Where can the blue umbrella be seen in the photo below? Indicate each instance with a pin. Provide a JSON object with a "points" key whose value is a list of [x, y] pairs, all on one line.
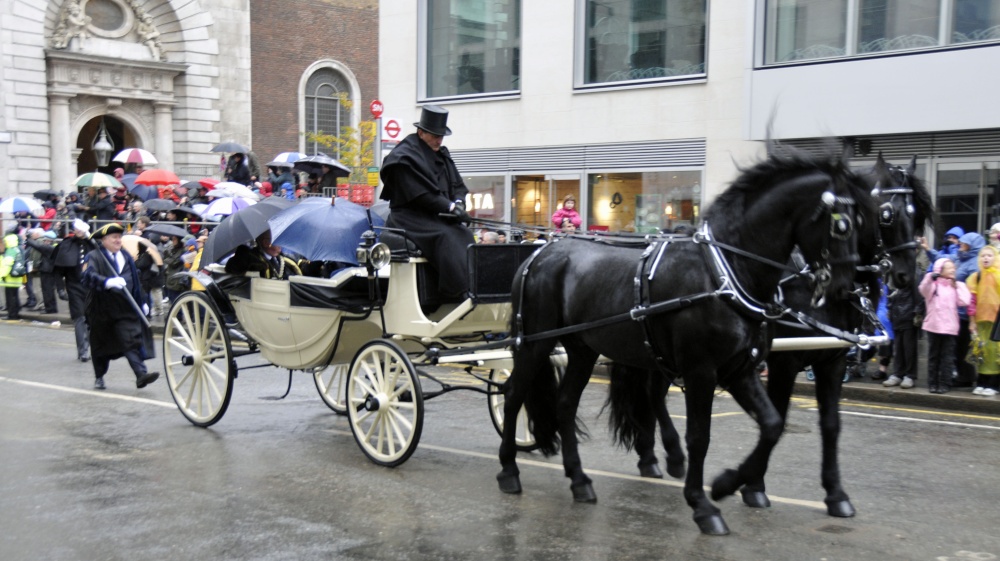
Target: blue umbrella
{"points": [[21, 204], [286, 159], [321, 231]]}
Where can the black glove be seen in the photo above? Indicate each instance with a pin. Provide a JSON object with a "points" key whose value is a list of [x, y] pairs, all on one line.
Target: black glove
{"points": [[460, 204], [460, 215], [935, 275]]}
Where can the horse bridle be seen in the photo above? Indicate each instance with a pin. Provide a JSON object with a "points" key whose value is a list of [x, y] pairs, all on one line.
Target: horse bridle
{"points": [[886, 218]]}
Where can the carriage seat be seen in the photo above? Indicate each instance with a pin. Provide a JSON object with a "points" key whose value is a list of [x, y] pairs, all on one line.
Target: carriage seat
{"points": [[400, 244], [346, 291]]}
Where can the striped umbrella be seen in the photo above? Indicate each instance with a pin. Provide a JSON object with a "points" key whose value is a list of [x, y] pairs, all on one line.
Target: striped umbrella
{"points": [[20, 204], [97, 179], [135, 156], [286, 159]]}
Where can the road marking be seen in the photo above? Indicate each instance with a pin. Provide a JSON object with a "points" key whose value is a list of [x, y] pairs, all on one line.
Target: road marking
{"points": [[611, 474], [929, 421], [92, 393], [811, 404]]}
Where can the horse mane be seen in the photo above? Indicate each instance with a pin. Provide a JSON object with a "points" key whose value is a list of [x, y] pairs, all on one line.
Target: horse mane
{"points": [[729, 208]]}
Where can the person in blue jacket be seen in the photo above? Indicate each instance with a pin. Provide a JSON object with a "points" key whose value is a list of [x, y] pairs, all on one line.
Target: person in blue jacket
{"points": [[966, 262], [948, 249]]}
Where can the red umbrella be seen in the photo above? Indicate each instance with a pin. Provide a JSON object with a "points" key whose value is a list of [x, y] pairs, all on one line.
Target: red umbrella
{"points": [[208, 182], [158, 177]]}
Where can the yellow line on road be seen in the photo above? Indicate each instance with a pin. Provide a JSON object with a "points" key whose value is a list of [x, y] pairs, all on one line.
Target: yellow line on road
{"points": [[809, 402]]}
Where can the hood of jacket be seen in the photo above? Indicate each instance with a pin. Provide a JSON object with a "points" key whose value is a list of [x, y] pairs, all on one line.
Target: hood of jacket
{"points": [[975, 243], [11, 240], [956, 231], [939, 264]]}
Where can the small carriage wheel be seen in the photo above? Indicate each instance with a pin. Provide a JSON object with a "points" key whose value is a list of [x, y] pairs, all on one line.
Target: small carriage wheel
{"points": [[331, 381], [385, 403], [198, 358], [523, 439]]}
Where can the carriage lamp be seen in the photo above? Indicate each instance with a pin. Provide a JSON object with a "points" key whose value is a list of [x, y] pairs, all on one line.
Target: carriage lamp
{"points": [[372, 254], [102, 146]]}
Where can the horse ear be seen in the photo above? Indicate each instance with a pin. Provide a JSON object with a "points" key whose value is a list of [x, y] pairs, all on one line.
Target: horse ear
{"points": [[912, 168], [879, 160]]}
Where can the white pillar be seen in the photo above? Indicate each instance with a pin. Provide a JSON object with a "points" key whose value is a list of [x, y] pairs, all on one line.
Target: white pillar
{"points": [[164, 125], [60, 143]]}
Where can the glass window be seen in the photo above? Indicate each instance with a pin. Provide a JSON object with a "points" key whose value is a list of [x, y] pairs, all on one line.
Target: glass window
{"points": [[627, 40], [328, 100], [473, 47], [892, 25], [644, 202], [486, 197], [975, 20], [806, 29]]}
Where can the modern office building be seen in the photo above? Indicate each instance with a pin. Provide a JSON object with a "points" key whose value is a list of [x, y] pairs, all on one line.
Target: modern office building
{"points": [[643, 109]]}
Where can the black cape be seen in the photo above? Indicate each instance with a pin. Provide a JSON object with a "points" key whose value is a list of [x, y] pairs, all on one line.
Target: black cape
{"points": [[115, 327], [420, 184]]}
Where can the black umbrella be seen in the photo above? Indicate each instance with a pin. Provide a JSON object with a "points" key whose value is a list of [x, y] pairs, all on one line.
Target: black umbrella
{"points": [[241, 227], [144, 192], [159, 205], [44, 194], [166, 230], [315, 163], [230, 147]]}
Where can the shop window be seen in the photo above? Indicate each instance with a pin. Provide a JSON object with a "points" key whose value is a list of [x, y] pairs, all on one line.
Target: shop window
{"points": [[644, 202], [486, 197]]}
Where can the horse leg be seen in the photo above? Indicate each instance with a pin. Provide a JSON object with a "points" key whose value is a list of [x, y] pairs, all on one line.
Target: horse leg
{"points": [[668, 433], [828, 384], [526, 366], [747, 390], [578, 371], [782, 368], [698, 396]]}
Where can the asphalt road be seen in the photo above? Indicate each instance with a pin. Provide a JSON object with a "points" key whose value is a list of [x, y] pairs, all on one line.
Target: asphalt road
{"points": [[121, 474]]}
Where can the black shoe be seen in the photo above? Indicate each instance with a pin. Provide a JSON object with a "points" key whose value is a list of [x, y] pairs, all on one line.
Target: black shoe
{"points": [[146, 379], [99, 383], [31, 304], [84, 357], [63, 295]]}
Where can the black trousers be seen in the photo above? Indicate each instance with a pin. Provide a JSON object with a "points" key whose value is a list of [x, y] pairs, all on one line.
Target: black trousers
{"points": [[49, 293], [13, 302], [966, 371], [904, 352], [102, 363], [940, 359]]}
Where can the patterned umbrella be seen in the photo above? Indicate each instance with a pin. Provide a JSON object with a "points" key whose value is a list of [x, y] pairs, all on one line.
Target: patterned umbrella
{"points": [[286, 159], [135, 156], [226, 206], [158, 177], [20, 204], [98, 180]]}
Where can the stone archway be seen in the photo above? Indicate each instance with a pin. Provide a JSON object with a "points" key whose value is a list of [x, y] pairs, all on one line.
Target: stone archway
{"points": [[121, 133]]}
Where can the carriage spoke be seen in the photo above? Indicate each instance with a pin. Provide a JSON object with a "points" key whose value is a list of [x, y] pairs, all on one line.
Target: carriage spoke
{"points": [[186, 350], [396, 415]]}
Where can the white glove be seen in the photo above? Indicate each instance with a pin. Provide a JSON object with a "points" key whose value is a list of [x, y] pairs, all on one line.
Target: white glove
{"points": [[145, 309], [115, 282]]}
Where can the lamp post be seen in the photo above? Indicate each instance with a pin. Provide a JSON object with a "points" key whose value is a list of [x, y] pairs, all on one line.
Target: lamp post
{"points": [[103, 147]]}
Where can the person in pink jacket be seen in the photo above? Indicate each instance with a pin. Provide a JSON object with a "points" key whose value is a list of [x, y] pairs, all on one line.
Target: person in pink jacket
{"points": [[567, 217], [943, 295]]}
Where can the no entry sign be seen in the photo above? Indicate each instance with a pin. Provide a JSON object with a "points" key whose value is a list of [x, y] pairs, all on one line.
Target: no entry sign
{"points": [[391, 129], [376, 108]]}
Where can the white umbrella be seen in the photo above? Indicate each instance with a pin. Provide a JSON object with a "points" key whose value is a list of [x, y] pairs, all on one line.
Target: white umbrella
{"points": [[11, 205], [231, 189], [226, 206], [135, 156]]}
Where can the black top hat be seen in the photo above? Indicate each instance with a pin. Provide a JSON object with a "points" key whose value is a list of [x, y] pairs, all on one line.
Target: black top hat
{"points": [[112, 228], [434, 120]]}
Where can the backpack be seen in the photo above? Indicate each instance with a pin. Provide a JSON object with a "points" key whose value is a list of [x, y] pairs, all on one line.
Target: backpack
{"points": [[20, 267]]}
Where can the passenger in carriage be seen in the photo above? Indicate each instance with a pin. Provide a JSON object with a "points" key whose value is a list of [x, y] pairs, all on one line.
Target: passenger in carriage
{"points": [[265, 258], [426, 197]]}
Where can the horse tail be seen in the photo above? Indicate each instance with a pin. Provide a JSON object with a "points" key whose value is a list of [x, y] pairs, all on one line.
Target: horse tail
{"points": [[540, 404], [629, 397]]}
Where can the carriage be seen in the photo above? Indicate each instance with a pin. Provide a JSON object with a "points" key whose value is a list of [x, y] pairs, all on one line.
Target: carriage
{"points": [[367, 335]]}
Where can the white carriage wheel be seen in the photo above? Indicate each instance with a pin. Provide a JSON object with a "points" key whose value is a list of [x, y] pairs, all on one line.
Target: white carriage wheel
{"points": [[385, 404], [331, 381], [523, 439], [198, 358]]}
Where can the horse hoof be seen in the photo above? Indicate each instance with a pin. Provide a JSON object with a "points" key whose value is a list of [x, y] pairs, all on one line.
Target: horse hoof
{"points": [[840, 509], [725, 484], [584, 493], [509, 483], [712, 525], [677, 471], [755, 499], [651, 470]]}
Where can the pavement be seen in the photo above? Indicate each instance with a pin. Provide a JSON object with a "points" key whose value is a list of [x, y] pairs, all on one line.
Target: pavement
{"points": [[862, 389]]}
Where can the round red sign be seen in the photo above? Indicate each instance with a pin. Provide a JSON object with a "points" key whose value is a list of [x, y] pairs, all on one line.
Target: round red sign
{"points": [[392, 128], [376, 108]]}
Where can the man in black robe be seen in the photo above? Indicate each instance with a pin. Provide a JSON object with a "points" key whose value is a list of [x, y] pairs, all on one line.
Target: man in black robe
{"points": [[116, 328], [426, 197]]}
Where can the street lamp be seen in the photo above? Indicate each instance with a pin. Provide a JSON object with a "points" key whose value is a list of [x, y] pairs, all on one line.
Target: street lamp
{"points": [[103, 147]]}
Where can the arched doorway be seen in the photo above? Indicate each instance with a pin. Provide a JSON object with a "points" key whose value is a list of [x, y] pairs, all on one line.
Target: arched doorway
{"points": [[120, 134]]}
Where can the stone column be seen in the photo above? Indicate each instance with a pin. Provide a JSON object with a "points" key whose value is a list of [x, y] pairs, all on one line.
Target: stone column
{"points": [[164, 130], [63, 172]]}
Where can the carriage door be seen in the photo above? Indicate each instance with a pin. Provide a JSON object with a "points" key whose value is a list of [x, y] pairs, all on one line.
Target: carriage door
{"points": [[538, 196], [967, 196]]}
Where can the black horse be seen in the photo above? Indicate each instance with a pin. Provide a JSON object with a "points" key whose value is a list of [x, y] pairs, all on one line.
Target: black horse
{"points": [[702, 308], [905, 207]]}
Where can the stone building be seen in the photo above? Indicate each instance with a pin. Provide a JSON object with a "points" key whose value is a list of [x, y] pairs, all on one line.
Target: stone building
{"points": [[174, 77]]}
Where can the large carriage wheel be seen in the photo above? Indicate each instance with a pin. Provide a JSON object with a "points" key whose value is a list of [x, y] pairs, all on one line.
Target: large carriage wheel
{"points": [[198, 358], [331, 381], [385, 404], [523, 439]]}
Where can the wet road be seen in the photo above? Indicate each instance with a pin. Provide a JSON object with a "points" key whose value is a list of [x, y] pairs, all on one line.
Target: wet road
{"points": [[122, 475]]}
